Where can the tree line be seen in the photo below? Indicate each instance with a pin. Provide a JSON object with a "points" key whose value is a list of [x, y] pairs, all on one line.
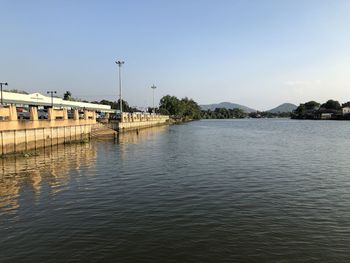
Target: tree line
{"points": [[223, 113], [314, 110], [182, 109], [185, 109]]}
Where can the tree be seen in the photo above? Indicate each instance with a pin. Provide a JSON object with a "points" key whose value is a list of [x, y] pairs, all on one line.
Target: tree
{"points": [[191, 109], [185, 108], [312, 105], [116, 105], [346, 104], [306, 110], [331, 105], [300, 111], [170, 105], [67, 95], [151, 110], [224, 113]]}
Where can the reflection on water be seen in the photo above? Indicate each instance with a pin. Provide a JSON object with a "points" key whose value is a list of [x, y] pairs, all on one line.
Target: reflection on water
{"points": [[51, 166], [140, 135], [137, 136], [207, 191]]}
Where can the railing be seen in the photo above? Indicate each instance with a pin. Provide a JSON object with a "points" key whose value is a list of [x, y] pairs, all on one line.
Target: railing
{"points": [[140, 117], [9, 119], [8, 113]]}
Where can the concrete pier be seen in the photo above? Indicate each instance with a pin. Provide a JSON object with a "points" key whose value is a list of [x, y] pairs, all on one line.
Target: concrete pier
{"points": [[134, 121], [24, 135]]}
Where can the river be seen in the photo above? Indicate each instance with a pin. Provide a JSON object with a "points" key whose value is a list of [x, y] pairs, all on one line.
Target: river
{"points": [[207, 191]]}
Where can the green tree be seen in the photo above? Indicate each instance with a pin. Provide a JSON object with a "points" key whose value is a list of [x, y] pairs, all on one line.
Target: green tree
{"points": [[223, 113], [67, 95], [170, 105], [331, 105], [312, 105], [191, 109], [116, 105], [185, 108], [300, 111]]}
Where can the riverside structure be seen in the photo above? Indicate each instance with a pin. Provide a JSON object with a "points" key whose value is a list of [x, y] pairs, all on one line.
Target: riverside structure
{"points": [[37, 99], [24, 135], [17, 135], [137, 120], [58, 126]]}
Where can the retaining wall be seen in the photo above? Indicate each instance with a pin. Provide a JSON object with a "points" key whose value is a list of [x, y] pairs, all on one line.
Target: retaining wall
{"points": [[14, 141], [24, 135], [136, 121]]}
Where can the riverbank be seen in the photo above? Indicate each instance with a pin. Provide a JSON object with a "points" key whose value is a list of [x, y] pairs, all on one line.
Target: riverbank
{"points": [[135, 121], [18, 136]]}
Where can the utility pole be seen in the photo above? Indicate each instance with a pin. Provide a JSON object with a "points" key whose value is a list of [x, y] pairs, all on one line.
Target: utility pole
{"points": [[153, 88], [120, 63], [5, 84], [51, 92]]}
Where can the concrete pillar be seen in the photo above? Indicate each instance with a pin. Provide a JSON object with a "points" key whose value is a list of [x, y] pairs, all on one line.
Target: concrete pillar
{"points": [[65, 114], [76, 115], [34, 113], [13, 113], [51, 114], [86, 115], [122, 117]]}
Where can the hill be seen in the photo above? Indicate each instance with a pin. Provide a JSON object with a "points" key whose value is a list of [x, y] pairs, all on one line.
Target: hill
{"points": [[285, 107], [227, 105]]}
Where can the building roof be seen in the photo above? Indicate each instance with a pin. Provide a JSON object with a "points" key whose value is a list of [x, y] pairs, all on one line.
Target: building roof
{"points": [[41, 100]]}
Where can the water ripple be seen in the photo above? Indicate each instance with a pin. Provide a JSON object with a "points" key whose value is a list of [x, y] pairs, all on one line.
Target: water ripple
{"points": [[208, 191]]}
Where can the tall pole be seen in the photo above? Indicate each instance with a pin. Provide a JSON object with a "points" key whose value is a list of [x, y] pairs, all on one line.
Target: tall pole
{"points": [[5, 84], [51, 92], [120, 63], [153, 88]]}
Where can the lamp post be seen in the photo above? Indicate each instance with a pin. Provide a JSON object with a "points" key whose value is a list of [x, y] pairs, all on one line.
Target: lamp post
{"points": [[51, 92], [153, 88], [120, 63], [5, 84]]}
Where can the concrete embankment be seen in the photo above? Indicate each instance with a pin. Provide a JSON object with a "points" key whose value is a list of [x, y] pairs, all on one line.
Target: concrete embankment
{"points": [[18, 136], [23, 135], [102, 131], [135, 121]]}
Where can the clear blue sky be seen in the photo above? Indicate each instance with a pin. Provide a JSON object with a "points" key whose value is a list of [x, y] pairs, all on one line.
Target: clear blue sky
{"points": [[257, 53]]}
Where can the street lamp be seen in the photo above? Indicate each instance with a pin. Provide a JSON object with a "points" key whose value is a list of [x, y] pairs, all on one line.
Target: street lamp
{"points": [[153, 88], [5, 84], [51, 92], [120, 63]]}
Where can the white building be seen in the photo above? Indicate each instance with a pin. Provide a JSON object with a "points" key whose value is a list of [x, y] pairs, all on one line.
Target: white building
{"points": [[345, 110], [37, 99]]}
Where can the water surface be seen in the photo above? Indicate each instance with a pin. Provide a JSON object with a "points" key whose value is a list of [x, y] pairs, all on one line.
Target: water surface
{"points": [[206, 191]]}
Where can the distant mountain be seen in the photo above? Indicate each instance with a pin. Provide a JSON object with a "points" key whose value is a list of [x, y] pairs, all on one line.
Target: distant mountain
{"points": [[285, 107], [227, 105]]}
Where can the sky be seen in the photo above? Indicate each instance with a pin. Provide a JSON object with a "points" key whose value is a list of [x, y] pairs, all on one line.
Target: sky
{"points": [[259, 53]]}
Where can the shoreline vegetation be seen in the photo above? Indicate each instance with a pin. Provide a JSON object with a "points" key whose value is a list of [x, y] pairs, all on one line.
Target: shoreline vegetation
{"points": [[186, 109], [330, 110]]}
